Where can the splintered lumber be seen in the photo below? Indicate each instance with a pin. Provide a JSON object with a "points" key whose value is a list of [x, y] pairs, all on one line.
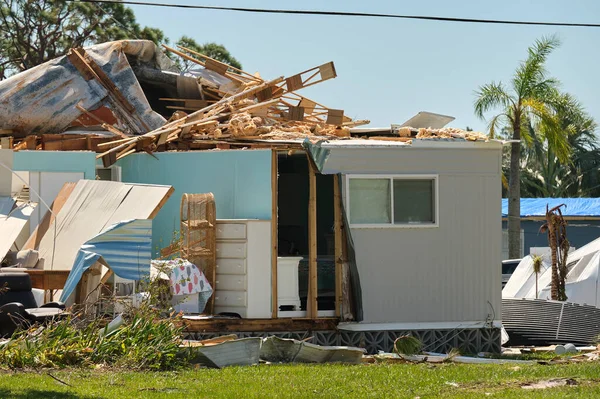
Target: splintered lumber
{"points": [[198, 116], [212, 65], [310, 77], [242, 72]]}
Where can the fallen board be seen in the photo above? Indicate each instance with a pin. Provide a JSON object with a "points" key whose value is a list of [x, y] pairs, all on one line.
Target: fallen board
{"points": [[92, 207]]}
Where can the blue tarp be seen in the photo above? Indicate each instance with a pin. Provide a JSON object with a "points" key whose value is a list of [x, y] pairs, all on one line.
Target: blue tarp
{"points": [[125, 247], [574, 206]]}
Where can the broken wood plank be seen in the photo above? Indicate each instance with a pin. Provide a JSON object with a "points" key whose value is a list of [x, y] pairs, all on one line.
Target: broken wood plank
{"points": [[189, 120], [301, 81], [240, 71]]}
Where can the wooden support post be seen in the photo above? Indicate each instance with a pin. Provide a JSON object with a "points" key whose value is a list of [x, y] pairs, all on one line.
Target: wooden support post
{"points": [[311, 302], [337, 212], [274, 234]]}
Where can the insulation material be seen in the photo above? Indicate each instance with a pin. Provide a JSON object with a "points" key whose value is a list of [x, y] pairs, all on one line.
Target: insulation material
{"points": [[90, 209], [43, 99], [124, 247]]}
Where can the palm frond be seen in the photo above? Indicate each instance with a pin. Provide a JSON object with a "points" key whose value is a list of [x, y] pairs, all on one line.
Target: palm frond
{"points": [[495, 122], [548, 124], [490, 96], [532, 71]]}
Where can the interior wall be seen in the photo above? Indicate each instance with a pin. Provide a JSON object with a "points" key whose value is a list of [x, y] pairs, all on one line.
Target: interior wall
{"points": [[239, 179], [57, 161]]}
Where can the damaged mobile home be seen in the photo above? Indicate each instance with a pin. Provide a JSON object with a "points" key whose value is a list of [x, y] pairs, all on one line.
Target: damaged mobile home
{"points": [[313, 225]]}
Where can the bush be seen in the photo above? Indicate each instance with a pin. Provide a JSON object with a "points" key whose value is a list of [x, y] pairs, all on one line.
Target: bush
{"points": [[145, 341]]}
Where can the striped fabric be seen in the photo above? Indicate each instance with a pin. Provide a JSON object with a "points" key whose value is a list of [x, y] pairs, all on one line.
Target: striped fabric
{"points": [[125, 247]]}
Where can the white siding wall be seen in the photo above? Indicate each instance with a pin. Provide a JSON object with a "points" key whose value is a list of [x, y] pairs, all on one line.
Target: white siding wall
{"points": [[446, 274]]}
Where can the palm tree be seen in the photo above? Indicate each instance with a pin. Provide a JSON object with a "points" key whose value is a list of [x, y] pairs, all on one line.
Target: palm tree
{"points": [[528, 102], [544, 175]]}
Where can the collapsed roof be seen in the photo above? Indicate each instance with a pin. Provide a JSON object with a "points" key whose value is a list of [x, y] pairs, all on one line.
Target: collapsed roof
{"points": [[121, 97]]}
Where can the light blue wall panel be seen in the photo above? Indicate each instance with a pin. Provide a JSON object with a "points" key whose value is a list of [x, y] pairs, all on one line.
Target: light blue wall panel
{"points": [[56, 161], [240, 181]]}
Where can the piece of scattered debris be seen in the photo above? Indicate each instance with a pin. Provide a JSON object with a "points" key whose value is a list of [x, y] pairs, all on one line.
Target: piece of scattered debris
{"points": [[557, 382]]}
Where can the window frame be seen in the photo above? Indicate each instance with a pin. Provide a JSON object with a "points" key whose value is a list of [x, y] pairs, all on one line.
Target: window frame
{"points": [[391, 178]]}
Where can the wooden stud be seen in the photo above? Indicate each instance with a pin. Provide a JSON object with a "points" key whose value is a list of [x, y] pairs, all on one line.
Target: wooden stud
{"points": [[337, 215], [274, 233], [311, 302]]}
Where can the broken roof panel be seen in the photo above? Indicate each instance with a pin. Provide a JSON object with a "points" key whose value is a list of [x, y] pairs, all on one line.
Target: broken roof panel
{"points": [[92, 206], [43, 99]]}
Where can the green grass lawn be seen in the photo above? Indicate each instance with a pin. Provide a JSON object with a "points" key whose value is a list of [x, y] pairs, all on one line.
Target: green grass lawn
{"points": [[308, 381]]}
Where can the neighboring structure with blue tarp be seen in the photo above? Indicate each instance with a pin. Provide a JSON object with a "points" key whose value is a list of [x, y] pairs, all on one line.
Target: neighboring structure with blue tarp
{"points": [[574, 207], [582, 215], [124, 247]]}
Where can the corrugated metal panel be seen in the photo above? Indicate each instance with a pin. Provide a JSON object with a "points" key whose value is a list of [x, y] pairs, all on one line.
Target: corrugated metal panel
{"points": [[543, 322], [125, 247], [574, 206], [447, 273]]}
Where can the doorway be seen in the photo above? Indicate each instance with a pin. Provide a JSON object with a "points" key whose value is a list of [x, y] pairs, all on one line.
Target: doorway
{"points": [[293, 230]]}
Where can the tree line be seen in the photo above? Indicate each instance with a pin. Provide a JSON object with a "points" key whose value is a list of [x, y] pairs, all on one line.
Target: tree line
{"points": [[35, 31]]}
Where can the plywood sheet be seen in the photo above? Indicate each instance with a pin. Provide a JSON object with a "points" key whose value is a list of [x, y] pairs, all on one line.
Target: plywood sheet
{"points": [[93, 206]]}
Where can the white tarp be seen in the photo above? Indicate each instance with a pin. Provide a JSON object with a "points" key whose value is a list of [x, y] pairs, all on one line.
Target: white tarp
{"points": [[581, 285]]}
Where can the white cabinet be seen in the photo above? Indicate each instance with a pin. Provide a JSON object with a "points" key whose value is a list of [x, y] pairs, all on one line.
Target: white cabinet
{"points": [[243, 270]]}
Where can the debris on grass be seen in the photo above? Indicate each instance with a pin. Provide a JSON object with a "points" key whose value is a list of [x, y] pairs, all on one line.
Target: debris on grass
{"points": [[553, 383]]}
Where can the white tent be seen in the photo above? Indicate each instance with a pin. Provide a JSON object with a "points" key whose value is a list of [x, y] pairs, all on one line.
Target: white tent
{"points": [[582, 279]]}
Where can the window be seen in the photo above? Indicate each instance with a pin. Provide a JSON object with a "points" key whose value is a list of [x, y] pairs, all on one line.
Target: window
{"points": [[392, 201]]}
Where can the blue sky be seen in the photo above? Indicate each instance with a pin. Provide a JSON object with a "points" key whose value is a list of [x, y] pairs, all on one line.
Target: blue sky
{"points": [[390, 69]]}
